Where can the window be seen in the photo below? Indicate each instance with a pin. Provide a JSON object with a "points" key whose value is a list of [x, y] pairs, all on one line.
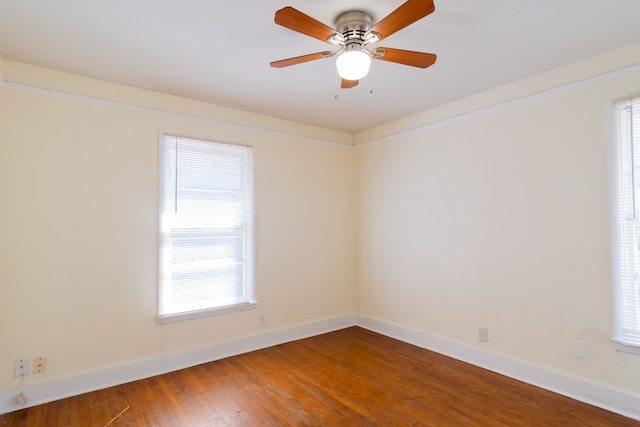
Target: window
{"points": [[206, 228], [627, 248]]}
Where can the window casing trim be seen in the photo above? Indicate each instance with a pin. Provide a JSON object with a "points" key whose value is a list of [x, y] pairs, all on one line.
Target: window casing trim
{"points": [[243, 303], [198, 314], [624, 224]]}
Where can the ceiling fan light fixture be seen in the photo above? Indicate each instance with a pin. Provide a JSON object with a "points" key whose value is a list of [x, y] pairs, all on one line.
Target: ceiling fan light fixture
{"points": [[353, 64], [352, 34]]}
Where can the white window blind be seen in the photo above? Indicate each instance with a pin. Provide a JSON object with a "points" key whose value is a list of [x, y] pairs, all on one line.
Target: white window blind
{"points": [[206, 228], [628, 204]]}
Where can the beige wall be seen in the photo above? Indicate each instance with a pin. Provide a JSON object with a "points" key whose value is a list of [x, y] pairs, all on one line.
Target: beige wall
{"points": [[500, 219], [492, 211], [78, 225]]}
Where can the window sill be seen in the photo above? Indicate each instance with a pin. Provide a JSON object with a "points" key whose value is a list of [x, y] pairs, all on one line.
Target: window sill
{"points": [[626, 348], [190, 315]]}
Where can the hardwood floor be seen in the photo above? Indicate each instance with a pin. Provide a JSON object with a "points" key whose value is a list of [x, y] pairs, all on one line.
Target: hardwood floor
{"points": [[351, 377]]}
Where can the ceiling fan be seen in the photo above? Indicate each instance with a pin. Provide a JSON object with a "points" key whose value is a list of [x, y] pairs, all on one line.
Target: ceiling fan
{"points": [[353, 33]]}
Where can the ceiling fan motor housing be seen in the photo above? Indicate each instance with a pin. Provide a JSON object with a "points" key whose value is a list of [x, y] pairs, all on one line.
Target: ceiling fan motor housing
{"points": [[354, 20], [353, 25]]}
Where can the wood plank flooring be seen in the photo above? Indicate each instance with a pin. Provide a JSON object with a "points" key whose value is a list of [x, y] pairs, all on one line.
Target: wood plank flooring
{"points": [[351, 377]]}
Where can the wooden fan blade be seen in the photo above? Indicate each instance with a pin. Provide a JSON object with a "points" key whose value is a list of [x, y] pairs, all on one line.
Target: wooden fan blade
{"points": [[408, 13], [300, 59], [297, 21], [346, 84], [406, 57]]}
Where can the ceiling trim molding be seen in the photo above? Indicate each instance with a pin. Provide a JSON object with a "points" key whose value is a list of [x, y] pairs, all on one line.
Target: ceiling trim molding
{"points": [[160, 112], [505, 104], [598, 67]]}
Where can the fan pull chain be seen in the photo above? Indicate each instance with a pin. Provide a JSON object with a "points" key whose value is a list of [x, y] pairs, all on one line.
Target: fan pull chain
{"points": [[335, 94]]}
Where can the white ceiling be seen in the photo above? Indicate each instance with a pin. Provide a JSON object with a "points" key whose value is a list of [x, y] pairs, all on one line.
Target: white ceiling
{"points": [[219, 51]]}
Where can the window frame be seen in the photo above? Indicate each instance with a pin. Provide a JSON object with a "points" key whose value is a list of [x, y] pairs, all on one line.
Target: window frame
{"points": [[247, 247], [625, 222]]}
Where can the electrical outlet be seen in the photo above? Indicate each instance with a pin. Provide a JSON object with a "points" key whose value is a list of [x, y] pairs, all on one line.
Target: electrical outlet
{"points": [[263, 320], [22, 367], [39, 364], [483, 335]]}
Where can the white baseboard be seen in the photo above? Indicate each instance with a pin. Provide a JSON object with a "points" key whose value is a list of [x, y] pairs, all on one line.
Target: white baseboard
{"points": [[37, 394], [593, 394], [584, 391]]}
